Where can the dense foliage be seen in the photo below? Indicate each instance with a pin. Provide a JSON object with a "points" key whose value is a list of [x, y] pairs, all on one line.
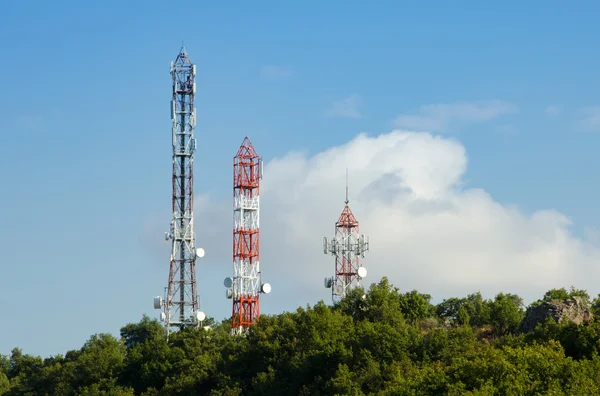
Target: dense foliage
{"points": [[380, 342]]}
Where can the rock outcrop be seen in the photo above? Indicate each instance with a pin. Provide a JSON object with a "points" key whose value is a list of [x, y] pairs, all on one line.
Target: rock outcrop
{"points": [[571, 310]]}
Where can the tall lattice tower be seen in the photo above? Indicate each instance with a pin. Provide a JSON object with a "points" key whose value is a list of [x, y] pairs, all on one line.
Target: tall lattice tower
{"points": [[180, 304], [348, 246], [246, 285]]}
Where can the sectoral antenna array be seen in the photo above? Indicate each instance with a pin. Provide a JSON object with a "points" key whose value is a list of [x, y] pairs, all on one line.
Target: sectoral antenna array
{"points": [[348, 246]]}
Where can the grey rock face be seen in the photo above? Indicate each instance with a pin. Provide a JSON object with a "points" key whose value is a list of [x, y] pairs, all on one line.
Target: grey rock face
{"points": [[573, 310]]}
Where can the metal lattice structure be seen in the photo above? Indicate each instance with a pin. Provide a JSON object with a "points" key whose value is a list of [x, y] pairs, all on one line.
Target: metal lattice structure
{"points": [[180, 305], [245, 286], [348, 246]]}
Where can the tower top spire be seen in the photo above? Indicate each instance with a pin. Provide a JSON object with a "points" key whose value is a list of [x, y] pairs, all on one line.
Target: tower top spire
{"points": [[183, 59], [347, 200]]}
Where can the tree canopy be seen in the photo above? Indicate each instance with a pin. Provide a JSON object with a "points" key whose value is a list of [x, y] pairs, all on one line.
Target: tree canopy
{"points": [[378, 341]]}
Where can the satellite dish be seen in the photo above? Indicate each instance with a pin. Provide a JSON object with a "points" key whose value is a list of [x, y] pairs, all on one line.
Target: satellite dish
{"points": [[362, 272], [200, 252], [200, 316], [228, 282], [266, 288]]}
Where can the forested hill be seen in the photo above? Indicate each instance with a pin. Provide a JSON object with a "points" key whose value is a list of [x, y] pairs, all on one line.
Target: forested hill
{"points": [[379, 342]]}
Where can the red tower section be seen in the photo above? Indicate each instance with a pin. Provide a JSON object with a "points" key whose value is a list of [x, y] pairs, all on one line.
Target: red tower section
{"points": [[347, 233], [247, 172]]}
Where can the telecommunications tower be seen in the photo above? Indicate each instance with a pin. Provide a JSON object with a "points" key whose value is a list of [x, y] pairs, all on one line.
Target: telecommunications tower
{"points": [[246, 285], [180, 304], [348, 246]]}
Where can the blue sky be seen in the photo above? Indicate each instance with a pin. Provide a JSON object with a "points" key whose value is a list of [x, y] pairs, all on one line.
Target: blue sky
{"points": [[85, 154]]}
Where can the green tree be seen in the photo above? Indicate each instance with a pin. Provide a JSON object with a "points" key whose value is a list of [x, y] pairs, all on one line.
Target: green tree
{"points": [[343, 383], [148, 360], [506, 313], [4, 364], [99, 362], [4, 383], [134, 334], [562, 294], [383, 303], [473, 310], [25, 373], [194, 355], [448, 310], [415, 305], [479, 310], [595, 306]]}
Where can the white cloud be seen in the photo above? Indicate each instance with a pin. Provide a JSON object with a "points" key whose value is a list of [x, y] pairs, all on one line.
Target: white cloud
{"points": [[271, 71], [427, 231], [347, 107], [554, 110], [435, 117], [590, 117]]}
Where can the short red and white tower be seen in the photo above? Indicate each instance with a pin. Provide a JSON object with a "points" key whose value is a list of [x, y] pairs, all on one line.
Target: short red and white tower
{"points": [[246, 285], [348, 246]]}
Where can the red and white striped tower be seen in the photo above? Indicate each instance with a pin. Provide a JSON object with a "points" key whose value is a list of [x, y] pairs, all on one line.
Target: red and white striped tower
{"points": [[245, 286], [348, 246]]}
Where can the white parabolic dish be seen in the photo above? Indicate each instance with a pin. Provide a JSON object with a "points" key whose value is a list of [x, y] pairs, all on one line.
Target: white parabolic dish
{"points": [[200, 252], [362, 272], [266, 288], [227, 282], [200, 315]]}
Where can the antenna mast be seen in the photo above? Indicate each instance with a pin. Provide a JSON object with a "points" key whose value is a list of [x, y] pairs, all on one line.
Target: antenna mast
{"points": [[347, 200], [246, 286], [348, 246], [180, 305]]}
